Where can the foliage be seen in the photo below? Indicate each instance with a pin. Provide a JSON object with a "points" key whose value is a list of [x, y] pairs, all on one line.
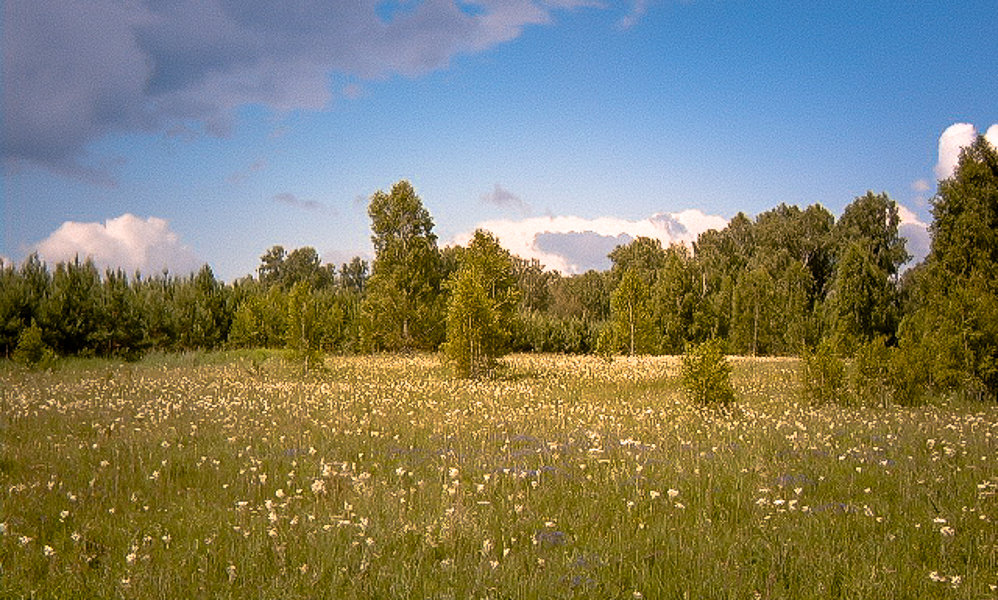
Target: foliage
{"points": [[869, 374], [483, 301], [31, 350], [706, 374], [304, 327], [822, 375], [631, 316], [402, 309], [956, 313]]}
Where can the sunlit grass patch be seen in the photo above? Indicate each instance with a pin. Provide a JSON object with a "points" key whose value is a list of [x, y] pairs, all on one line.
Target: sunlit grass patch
{"points": [[232, 476]]}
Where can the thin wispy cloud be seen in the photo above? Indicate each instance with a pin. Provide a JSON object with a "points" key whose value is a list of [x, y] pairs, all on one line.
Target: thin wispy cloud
{"points": [[241, 176], [634, 15], [289, 199], [505, 199]]}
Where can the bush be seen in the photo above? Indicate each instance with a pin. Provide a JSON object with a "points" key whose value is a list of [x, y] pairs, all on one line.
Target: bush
{"points": [[31, 350], [822, 375], [706, 374], [869, 374]]}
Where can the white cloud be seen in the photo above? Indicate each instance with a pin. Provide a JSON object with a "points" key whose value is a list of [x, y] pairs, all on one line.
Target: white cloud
{"points": [[921, 185], [128, 242], [916, 233], [574, 244], [992, 135], [953, 139]]}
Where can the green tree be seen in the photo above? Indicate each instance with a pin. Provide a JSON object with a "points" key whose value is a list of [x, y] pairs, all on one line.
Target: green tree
{"points": [[706, 374], [862, 300], [872, 220], [260, 319], [122, 329], [674, 299], [754, 312], [402, 308], [353, 275], [21, 293], [70, 314], [31, 350], [304, 327], [644, 256], [631, 317], [956, 315], [203, 314], [484, 297]]}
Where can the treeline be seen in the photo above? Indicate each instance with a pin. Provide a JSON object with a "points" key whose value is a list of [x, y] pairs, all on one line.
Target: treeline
{"points": [[789, 280]]}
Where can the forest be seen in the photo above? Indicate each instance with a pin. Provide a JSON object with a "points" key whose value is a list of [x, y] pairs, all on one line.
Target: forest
{"points": [[789, 282]]}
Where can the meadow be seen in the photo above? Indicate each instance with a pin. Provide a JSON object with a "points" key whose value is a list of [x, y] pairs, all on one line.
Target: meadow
{"points": [[230, 475]]}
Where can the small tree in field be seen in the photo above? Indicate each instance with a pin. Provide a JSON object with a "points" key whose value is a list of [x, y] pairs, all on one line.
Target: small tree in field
{"points": [[31, 350], [822, 375], [304, 327], [706, 374], [631, 316], [483, 300]]}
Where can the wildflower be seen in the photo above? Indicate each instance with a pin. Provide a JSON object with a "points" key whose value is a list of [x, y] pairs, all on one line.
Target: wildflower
{"points": [[130, 557], [672, 493], [947, 531], [654, 494], [279, 493], [318, 487], [25, 540], [47, 550], [63, 515]]}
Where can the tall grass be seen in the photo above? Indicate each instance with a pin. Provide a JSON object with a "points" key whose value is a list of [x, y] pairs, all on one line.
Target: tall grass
{"points": [[228, 476]]}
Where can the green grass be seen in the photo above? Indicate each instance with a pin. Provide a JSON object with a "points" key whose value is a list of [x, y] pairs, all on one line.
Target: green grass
{"points": [[229, 476]]}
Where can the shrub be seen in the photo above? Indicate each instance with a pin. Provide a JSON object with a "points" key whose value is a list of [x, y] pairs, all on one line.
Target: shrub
{"points": [[869, 374], [31, 350], [822, 375], [706, 374]]}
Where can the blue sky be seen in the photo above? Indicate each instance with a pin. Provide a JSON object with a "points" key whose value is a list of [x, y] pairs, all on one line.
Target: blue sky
{"points": [[178, 133]]}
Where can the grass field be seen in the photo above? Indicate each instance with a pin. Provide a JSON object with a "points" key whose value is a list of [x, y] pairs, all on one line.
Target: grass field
{"points": [[228, 476]]}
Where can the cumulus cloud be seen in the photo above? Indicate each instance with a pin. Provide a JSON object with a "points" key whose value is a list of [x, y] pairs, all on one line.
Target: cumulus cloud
{"points": [[956, 137], [503, 198], [916, 235], [574, 244], [127, 242], [76, 71]]}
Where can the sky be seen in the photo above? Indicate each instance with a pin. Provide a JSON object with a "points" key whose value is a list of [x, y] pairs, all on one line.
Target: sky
{"points": [[170, 134]]}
